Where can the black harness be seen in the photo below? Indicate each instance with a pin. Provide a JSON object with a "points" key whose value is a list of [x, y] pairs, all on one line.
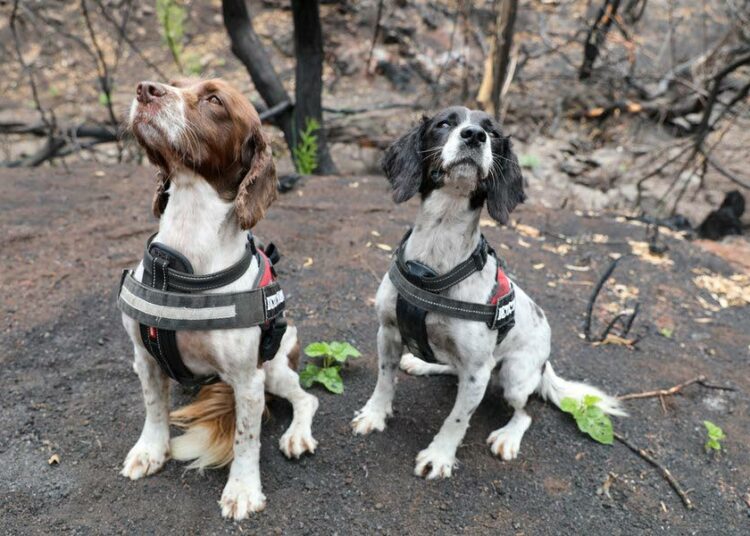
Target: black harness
{"points": [[171, 298], [420, 292]]}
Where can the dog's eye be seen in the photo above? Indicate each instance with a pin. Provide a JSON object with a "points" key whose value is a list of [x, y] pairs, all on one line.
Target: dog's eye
{"points": [[213, 99], [443, 124], [494, 134]]}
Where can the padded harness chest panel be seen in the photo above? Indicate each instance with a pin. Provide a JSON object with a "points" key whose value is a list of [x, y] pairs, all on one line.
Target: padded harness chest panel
{"points": [[420, 291], [170, 299]]}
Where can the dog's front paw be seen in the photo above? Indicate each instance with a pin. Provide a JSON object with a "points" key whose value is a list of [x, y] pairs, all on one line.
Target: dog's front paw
{"points": [[368, 419], [296, 441], [434, 462], [144, 459], [505, 442], [240, 500]]}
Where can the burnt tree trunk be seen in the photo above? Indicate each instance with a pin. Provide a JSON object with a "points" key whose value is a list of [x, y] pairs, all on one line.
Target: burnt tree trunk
{"points": [[308, 46], [250, 51], [506, 23], [596, 36]]}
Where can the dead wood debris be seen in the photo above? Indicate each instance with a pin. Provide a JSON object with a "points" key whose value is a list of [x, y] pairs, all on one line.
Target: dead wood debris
{"points": [[666, 473]]}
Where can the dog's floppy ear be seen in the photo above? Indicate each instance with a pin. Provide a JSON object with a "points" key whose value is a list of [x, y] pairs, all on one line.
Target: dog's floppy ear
{"points": [[161, 196], [258, 187], [505, 185], [402, 163]]}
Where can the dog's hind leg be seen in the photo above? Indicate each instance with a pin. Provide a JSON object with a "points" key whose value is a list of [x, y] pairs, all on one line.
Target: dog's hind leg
{"points": [[152, 449], [414, 366], [380, 405], [283, 381], [437, 460]]}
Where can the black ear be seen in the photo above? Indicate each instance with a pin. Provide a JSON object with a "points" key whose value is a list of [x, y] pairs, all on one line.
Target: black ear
{"points": [[402, 163], [505, 183]]}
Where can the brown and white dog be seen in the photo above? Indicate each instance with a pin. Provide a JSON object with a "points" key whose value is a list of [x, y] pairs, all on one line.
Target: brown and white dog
{"points": [[216, 180]]}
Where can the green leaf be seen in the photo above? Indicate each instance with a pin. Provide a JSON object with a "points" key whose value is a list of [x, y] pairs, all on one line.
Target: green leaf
{"points": [[713, 444], [331, 379], [103, 99], [714, 432], [317, 349], [590, 400], [569, 405], [666, 332], [343, 350], [308, 375], [600, 429], [590, 418], [530, 161]]}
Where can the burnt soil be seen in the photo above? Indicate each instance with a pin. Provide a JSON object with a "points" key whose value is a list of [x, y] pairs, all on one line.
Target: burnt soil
{"points": [[69, 389]]}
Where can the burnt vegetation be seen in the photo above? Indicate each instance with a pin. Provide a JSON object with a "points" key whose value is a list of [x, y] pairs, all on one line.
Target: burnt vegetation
{"points": [[667, 81]]}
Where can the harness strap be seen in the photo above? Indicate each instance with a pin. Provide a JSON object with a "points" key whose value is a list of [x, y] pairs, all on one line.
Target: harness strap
{"points": [[439, 283], [178, 311], [164, 303], [188, 282], [494, 316]]}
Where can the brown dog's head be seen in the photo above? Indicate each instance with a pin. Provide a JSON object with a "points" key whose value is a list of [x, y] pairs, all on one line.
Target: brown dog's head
{"points": [[209, 128]]}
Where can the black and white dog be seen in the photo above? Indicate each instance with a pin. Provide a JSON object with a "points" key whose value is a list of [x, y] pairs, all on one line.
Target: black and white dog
{"points": [[457, 161]]}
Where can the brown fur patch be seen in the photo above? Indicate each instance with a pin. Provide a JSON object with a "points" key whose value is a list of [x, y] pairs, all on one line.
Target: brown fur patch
{"points": [[224, 143], [294, 356], [213, 409]]}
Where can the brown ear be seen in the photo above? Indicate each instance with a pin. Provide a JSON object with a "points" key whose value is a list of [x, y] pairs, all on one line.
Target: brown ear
{"points": [[258, 189], [161, 196]]}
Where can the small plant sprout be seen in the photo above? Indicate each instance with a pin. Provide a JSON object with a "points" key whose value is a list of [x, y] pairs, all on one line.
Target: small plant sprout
{"points": [[590, 418], [714, 435], [334, 354], [306, 152], [171, 17]]}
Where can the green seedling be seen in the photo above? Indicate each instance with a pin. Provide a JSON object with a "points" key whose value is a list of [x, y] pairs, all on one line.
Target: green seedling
{"points": [[714, 435], [333, 355], [306, 152], [590, 418], [530, 161], [171, 17]]}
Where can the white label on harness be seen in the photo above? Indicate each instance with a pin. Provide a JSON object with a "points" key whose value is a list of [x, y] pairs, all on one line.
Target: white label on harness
{"points": [[272, 302], [506, 310]]}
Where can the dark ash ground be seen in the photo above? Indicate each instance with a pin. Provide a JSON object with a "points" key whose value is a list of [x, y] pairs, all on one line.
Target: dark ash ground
{"points": [[69, 388]]}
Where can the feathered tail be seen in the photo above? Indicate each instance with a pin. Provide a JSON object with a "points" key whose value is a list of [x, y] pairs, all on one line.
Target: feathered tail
{"points": [[209, 421], [554, 388]]}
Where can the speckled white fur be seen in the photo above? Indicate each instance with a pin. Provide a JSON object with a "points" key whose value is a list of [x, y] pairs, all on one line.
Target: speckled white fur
{"points": [[445, 233], [201, 226]]}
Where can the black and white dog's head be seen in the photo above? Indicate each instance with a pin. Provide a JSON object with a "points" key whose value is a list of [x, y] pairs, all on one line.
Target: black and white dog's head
{"points": [[463, 150]]}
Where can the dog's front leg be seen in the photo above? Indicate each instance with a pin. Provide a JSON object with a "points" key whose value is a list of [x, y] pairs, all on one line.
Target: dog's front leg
{"points": [[243, 493], [152, 448], [437, 460], [372, 416]]}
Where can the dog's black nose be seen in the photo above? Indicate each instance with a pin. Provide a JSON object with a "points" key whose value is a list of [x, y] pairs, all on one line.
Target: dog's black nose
{"points": [[473, 136]]}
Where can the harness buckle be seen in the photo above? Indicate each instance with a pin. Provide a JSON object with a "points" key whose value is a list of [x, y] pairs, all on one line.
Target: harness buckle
{"points": [[479, 255], [251, 243]]}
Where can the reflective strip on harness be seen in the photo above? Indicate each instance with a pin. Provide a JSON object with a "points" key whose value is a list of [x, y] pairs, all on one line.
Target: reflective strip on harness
{"points": [[178, 311], [494, 315]]}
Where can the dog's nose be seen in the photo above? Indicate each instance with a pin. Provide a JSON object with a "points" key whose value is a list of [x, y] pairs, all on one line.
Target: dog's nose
{"points": [[149, 91], [473, 135]]}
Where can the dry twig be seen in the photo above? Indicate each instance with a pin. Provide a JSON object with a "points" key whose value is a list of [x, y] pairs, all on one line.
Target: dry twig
{"points": [[663, 470]]}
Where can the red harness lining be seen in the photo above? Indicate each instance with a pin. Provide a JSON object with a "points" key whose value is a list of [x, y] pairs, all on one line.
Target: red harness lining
{"points": [[268, 277], [503, 287]]}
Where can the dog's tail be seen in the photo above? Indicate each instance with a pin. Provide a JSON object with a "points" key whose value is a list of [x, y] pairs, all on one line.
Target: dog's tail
{"points": [[209, 421], [209, 424], [555, 389]]}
